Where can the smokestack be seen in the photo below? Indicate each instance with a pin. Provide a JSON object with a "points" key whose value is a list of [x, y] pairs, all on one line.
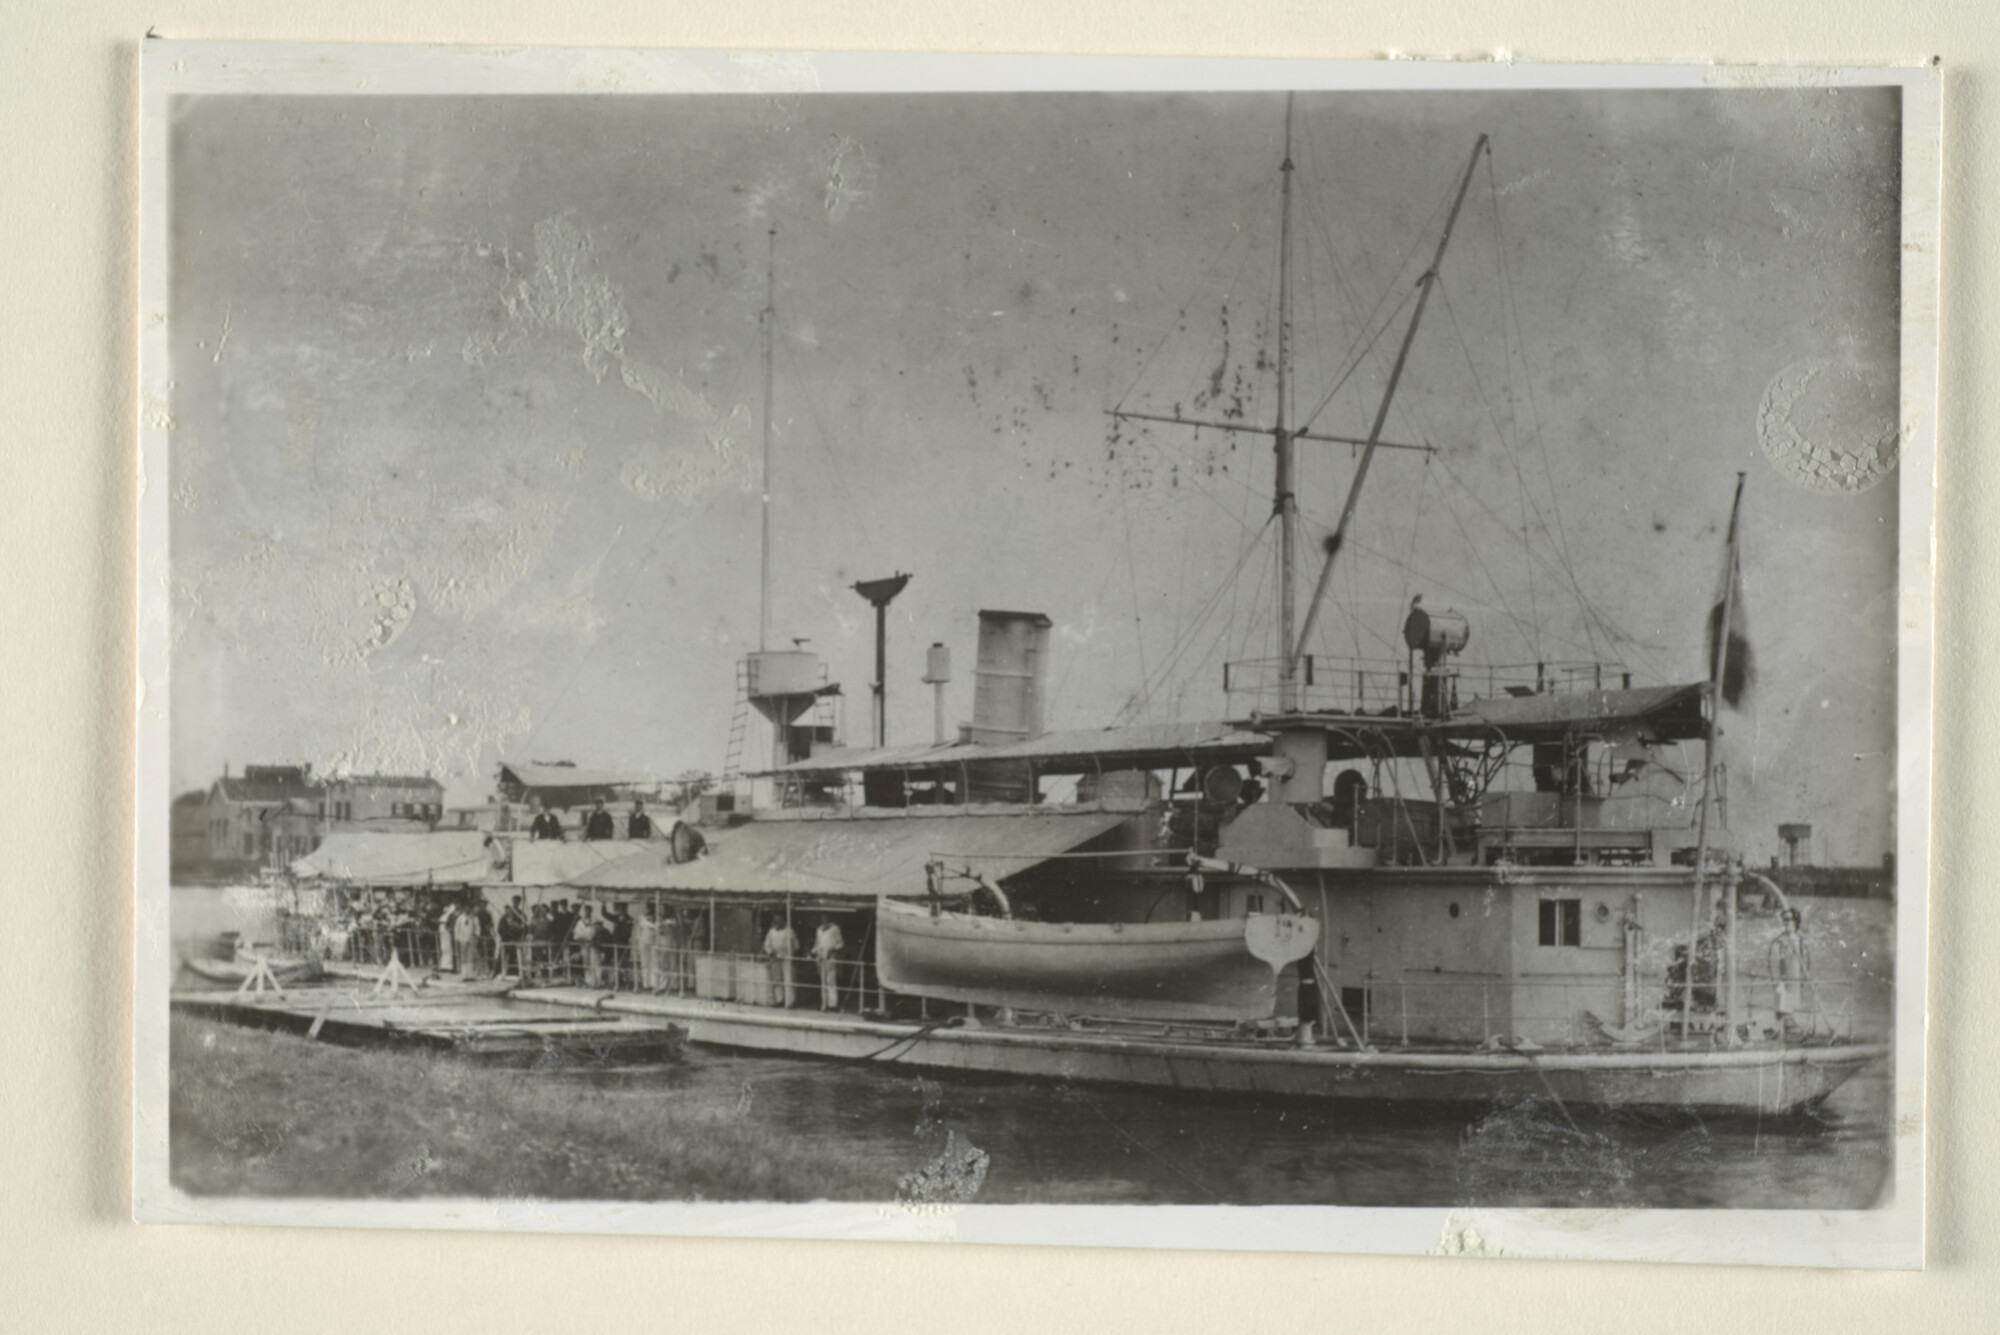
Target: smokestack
{"points": [[1010, 677], [937, 671]]}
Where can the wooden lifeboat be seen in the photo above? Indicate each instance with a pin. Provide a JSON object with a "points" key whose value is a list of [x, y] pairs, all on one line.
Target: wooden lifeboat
{"points": [[1223, 970]]}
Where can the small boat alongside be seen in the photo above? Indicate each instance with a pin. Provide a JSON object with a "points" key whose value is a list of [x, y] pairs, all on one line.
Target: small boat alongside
{"points": [[236, 972]]}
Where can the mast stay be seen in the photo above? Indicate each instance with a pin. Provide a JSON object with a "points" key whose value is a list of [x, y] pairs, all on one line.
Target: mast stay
{"points": [[1295, 650], [768, 317]]}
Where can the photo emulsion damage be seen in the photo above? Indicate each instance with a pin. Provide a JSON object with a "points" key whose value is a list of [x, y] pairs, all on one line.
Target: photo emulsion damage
{"points": [[1178, 648]]}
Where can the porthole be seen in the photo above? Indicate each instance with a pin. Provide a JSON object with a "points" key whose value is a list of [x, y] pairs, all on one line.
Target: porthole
{"points": [[1453, 910]]}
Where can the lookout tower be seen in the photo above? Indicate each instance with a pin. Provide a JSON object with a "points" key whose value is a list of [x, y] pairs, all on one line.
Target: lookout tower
{"points": [[789, 688]]}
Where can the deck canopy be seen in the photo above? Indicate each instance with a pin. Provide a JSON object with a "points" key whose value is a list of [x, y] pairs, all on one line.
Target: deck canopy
{"points": [[1651, 714], [543, 862], [458, 858], [564, 786], [1648, 714], [444, 857], [855, 858], [1150, 746]]}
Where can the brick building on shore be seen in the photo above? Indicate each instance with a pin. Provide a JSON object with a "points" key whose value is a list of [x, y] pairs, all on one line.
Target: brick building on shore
{"points": [[269, 815]]}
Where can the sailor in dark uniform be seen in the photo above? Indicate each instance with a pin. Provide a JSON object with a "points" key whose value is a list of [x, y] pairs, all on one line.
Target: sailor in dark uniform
{"points": [[513, 928], [600, 824], [547, 826], [638, 825]]}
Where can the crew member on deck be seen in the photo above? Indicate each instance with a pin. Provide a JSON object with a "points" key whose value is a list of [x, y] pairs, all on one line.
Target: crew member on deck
{"points": [[827, 945], [513, 927], [562, 922], [673, 952], [781, 944], [646, 946], [539, 936], [1308, 998], [583, 948], [600, 824], [619, 920], [638, 825], [465, 941], [447, 939], [547, 825], [489, 937]]}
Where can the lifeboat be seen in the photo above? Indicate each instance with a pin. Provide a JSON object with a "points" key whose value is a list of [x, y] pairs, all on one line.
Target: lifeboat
{"points": [[1222, 970]]}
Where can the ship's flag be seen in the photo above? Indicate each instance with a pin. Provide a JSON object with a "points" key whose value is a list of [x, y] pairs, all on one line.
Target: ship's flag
{"points": [[1729, 662]]}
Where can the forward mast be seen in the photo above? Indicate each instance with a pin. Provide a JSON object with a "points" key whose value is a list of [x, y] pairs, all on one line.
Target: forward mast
{"points": [[1293, 638]]}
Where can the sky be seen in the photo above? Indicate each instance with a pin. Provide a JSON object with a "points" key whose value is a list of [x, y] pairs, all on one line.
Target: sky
{"points": [[468, 406]]}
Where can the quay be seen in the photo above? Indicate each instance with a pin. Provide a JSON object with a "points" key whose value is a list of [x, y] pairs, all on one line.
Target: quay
{"points": [[484, 1022]]}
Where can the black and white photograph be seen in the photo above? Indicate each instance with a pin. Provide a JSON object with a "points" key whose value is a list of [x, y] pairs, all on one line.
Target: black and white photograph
{"points": [[918, 651]]}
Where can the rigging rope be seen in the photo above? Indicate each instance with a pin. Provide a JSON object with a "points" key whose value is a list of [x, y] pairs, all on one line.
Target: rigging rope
{"points": [[1314, 219], [1132, 572], [1186, 638], [1513, 315], [1513, 462], [1201, 281], [1369, 328]]}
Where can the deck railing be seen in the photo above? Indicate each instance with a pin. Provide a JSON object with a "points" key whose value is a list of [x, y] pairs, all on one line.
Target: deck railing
{"points": [[843, 983], [1593, 1011], [1559, 1010], [1329, 684]]}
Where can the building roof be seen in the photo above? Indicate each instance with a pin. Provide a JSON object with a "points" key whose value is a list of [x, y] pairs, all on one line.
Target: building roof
{"points": [[857, 857], [391, 780], [262, 789]]}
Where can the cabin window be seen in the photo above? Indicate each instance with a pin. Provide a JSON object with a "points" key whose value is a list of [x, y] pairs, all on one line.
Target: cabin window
{"points": [[1252, 904], [1562, 922], [1354, 1000], [1453, 910]]}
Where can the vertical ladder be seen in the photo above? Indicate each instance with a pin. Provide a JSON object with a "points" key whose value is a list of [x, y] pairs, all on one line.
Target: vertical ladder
{"points": [[823, 715], [739, 722]]}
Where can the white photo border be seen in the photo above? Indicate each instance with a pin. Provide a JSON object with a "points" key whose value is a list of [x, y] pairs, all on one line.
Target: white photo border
{"points": [[1890, 1236]]}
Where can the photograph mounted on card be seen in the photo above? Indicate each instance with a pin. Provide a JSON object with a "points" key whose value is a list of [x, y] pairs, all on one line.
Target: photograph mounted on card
{"points": [[1334, 656]]}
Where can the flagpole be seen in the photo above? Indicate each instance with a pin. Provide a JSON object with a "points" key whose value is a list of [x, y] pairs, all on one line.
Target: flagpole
{"points": [[1719, 655]]}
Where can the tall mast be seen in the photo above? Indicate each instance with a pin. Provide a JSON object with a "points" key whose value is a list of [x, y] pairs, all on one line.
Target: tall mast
{"points": [[1285, 501], [1284, 504], [769, 319]]}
